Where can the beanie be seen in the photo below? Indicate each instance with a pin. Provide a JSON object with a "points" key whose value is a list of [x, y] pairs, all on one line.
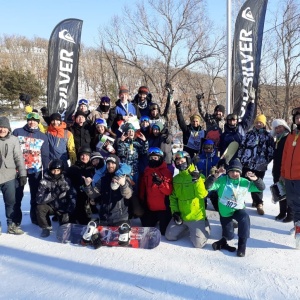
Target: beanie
{"points": [[235, 165], [85, 149], [295, 112], [4, 122], [96, 155], [55, 116], [123, 89], [261, 118], [157, 125], [143, 90], [114, 159], [220, 108], [80, 113], [279, 122], [128, 126], [195, 116], [105, 99], [101, 121]]}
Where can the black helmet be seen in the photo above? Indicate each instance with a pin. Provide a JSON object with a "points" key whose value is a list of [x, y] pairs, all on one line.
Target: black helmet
{"points": [[56, 164]]}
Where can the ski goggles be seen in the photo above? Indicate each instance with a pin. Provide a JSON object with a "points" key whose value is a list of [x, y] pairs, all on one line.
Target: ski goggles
{"points": [[33, 115], [232, 117], [180, 154], [101, 122], [155, 151], [83, 102], [145, 119], [296, 111]]}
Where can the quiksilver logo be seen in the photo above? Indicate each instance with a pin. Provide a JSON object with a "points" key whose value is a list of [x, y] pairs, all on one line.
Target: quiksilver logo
{"points": [[247, 14], [65, 35]]}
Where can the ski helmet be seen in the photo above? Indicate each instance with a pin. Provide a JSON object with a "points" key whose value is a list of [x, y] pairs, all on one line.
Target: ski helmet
{"points": [[56, 164]]}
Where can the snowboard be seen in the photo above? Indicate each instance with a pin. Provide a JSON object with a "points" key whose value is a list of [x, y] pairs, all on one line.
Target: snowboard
{"points": [[140, 237], [230, 151], [278, 192]]}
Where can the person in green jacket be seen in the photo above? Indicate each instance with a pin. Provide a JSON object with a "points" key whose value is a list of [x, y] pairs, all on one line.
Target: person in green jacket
{"points": [[187, 203], [232, 190]]}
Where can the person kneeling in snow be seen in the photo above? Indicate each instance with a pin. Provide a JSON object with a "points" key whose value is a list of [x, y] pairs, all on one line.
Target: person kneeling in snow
{"points": [[55, 196], [187, 203], [232, 190]]}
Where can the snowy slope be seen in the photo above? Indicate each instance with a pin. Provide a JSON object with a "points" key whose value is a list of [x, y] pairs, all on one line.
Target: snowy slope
{"points": [[36, 268]]}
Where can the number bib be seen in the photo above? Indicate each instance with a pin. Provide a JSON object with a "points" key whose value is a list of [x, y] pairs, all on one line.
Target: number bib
{"points": [[233, 197], [194, 141]]}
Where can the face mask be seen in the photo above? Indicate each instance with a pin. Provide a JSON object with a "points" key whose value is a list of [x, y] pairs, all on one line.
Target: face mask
{"points": [[154, 163], [182, 167], [104, 108], [56, 176]]}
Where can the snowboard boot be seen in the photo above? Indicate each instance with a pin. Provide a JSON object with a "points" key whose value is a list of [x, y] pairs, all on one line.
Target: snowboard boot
{"points": [[45, 232], [287, 219], [222, 244], [96, 240], [124, 237], [241, 247], [91, 229], [14, 229]]}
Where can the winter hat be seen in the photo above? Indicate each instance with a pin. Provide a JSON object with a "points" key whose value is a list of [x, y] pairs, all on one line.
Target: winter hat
{"points": [[279, 122], [96, 155], [235, 165], [55, 116], [261, 118], [208, 142], [105, 99], [85, 149], [128, 126], [4, 122], [195, 116], [158, 125], [295, 112], [101, 121], [80, 113], [143, 90], [114, 159], [220, 108], [123, 89]]}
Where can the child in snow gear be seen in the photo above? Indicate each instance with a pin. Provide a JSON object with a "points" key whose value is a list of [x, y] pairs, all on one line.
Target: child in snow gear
{"points": [[231, 190]]}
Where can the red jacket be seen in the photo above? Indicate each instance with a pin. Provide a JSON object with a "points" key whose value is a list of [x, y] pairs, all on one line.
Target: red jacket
{"points": [[152, 194], [290, 166]]}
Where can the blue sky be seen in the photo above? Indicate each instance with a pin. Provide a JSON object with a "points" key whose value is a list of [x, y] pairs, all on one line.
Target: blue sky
{"points": [[31, 18]]}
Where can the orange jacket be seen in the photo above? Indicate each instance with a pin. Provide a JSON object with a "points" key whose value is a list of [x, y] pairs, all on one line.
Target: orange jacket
{"points": [[290, 166]]}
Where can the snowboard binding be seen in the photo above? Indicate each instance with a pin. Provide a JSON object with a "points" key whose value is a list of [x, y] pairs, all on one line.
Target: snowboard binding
{"points": [[124, 237], [91, 229]]}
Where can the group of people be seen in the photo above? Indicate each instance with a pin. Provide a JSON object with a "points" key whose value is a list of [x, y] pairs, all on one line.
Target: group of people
{"points": [[117, 162]]}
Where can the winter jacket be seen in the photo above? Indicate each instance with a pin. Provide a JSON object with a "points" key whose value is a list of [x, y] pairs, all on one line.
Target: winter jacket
{"points": [[97, 114], [256, 150], [187, 197], [112, 202], [237, 133], [12, 159], [35, 148], [81, 135], [277, 159], [58, 193], [232, 192], [192, 137], [290, 167], [130, 150], [207, 161], [153, 195], [164, 142], [61, 143]]}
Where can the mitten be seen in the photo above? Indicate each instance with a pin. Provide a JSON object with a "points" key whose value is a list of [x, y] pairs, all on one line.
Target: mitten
{"points": [[177, 103], [195, 175]]}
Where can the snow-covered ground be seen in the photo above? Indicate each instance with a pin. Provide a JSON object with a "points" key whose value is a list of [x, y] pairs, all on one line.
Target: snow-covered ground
{"points": [[36, 268]]}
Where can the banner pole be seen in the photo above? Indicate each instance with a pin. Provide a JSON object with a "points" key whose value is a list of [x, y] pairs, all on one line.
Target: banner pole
{"points": [[228, 87]]}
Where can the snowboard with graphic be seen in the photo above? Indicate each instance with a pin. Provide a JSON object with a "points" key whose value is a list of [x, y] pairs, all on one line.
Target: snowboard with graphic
{"points": [[230, 151], [140, 237]]}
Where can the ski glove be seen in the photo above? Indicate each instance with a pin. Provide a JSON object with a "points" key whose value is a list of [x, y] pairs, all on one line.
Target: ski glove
{"points": [[177, 103], [23, 180], [195, 175], [177, 218], [156, 179]]}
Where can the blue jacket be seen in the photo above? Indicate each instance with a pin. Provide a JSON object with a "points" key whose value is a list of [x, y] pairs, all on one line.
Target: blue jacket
{"points": [[35, 148], [207, 161]]}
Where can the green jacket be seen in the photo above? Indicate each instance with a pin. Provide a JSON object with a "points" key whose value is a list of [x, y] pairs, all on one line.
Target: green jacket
{"points": [[188, 197], [240, 187]]}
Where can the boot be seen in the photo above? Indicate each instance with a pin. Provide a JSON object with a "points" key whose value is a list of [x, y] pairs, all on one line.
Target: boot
{"points": [[45, 232], [280, 216], [289, 216], [241, 247], [260, 209], [222, 244], [14, 229]]}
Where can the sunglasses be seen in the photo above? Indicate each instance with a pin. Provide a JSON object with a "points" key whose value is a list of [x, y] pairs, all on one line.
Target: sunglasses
{"points": [[156, 151], [33, 115], [83, 101]]}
